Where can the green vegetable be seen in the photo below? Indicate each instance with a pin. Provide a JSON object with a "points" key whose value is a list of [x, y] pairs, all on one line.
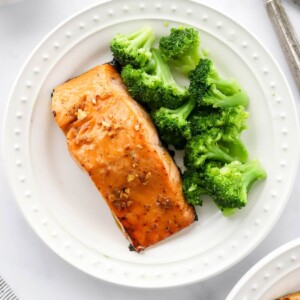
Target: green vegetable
{"points": [[133, 48], [206, 118], [230, 184], [209, 89], [192, 186], [213, 144], [229, 121], [182, 49], [154, 84], [172, 125]]}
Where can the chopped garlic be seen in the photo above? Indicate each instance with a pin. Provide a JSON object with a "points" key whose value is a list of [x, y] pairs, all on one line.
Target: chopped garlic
{"points": [[112, 197], [129, 203], [137, 127], [106, 124], [130, 177], [81, 114]]}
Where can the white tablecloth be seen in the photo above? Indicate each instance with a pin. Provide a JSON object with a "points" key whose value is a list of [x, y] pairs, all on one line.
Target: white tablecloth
{"points": [[34, 271]]}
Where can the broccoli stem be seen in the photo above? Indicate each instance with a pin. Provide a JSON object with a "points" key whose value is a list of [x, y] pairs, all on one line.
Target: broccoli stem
{"points": [[149, 41], [226, 87], [196, 54], [238, 98], [227, 211], [252, 172], [185, 110], [142, 38], [188, 62], [236, 149], [219, 153], [160, 68]]}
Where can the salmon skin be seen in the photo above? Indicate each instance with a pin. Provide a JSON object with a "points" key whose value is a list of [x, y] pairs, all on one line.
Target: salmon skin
{"points": [[114, 140]]}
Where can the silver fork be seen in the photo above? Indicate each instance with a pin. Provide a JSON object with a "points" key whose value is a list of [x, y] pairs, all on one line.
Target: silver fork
{"points": [[286, 36]]}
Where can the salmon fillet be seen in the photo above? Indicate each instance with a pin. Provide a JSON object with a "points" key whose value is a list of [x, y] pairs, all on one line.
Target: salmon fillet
{"points": [[113, 139], [295, 296]]}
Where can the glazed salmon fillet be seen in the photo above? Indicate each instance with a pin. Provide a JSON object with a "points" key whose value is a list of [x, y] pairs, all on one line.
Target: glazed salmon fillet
{"points": [[113, 139], [295, 296]]}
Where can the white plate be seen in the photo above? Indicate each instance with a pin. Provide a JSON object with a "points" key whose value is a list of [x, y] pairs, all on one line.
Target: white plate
{"points": [[274, 276], [61, 203]]}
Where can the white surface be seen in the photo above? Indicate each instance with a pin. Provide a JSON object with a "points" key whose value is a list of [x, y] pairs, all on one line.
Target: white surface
{"points": [[276, 275], [28, 265], [64, 207]]}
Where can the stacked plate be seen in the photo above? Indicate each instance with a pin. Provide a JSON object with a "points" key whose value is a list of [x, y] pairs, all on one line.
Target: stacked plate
{"points": [[276, 275]]}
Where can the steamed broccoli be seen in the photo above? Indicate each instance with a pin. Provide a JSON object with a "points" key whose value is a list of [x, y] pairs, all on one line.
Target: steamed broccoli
{"points": [[182, 49], [192, 186], [172, 124], [205, 146], [230, 121], [154, 84], [209, 89], [234, 117], [133, 48], [230, 184], [231, 140]]}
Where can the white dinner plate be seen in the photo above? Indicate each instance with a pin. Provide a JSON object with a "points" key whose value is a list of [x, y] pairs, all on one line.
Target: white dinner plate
{"points": [[61, 203], [275, 276]]}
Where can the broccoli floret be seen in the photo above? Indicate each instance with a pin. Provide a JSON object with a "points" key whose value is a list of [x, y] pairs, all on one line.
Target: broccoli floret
{"points": [[182, 49], [232, 117], [154, 84], [233, 143], [230, 184], [230, 121], [133, 48], [172, 124], [192, 186], [209, 89], [207, 146]]}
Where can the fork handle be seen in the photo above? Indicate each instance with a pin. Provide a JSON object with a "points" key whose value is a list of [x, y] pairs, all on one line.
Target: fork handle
{"points": [[286, 35]]}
